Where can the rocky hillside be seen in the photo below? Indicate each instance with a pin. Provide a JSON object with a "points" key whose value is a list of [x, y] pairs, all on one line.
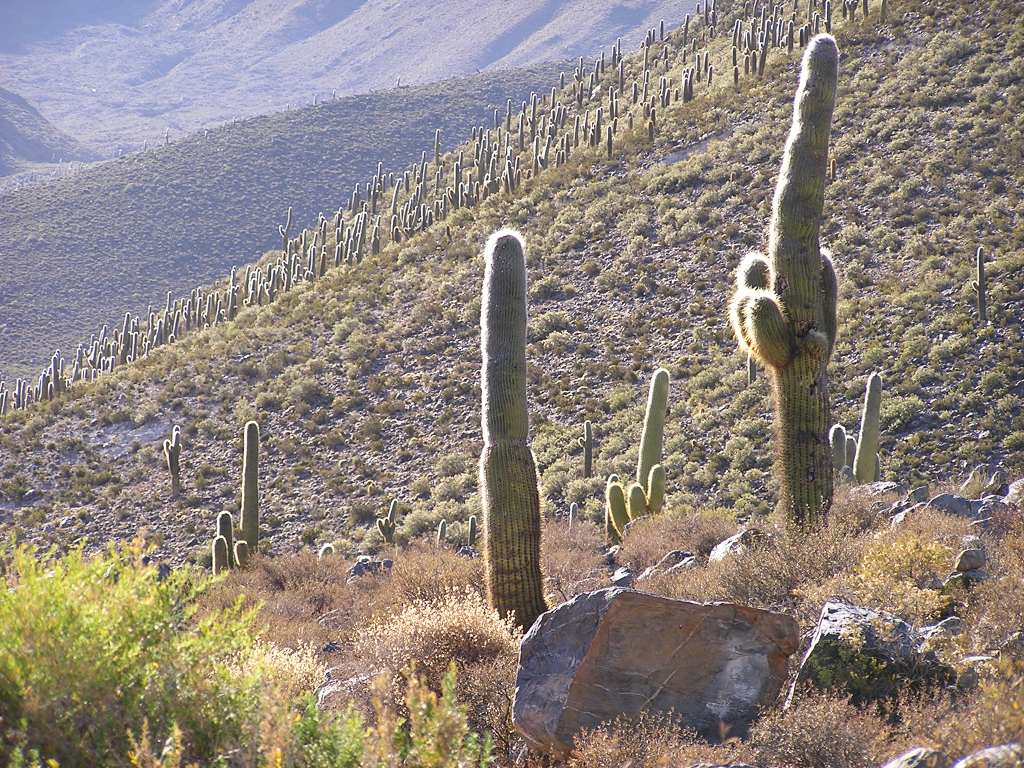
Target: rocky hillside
{"points": [[186, 212], [26, 137], [118, 73], [365, 382]]}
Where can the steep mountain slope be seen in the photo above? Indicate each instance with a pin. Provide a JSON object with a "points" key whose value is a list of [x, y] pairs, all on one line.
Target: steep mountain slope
{"points": [[365, 382], [119, 73], [26, 137], [131, 229]]}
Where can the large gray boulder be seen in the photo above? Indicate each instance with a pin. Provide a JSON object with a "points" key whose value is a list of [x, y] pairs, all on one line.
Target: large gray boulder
{"points": [[867, 654], [618, 652]]}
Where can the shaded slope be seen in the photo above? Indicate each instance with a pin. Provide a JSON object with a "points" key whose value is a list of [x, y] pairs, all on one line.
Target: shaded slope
{"points": [[77, 252], [366, 382], [26, 137]]}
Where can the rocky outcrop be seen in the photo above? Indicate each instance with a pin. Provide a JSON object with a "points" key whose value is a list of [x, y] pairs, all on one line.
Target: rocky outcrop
{"points": [[867, 654], [617, 652]]}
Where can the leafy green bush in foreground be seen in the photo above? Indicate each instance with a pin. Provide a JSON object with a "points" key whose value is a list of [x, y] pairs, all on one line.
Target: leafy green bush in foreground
{"points": [[102, 663]]}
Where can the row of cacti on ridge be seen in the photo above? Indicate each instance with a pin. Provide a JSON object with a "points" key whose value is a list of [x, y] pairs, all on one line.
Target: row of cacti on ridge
{"points": [[588, 111]]}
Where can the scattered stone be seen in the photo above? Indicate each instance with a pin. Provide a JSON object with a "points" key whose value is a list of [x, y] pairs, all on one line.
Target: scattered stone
{"points": [[900, 517], [1015, 493], [964, 579], [952, 504], [989, 506], [611, 555], [970, 560], [1007, 756], [919, 758], [946, 628], [365, 564], [583, 664], [1013, 646], [332, 646], [749, 538], [468, 552], [874, 490], [971, 668], [667, 563], [996, 484], [869, 655], [623, 577], [918, 495]]}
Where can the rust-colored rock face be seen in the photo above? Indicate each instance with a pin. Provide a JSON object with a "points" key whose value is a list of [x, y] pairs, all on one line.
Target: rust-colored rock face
{"points": [[618, 652]]}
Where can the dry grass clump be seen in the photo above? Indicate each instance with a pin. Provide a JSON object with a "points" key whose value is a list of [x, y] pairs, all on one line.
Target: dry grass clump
{"points": [[303, 600], [777, 574], [573, 560], [425, 573], [457, 627], [821, 730], [649, 741], [649, 539]]}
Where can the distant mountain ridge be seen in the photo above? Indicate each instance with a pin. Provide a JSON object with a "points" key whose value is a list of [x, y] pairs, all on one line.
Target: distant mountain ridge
{"points": [[27, 137], [115, 74]]}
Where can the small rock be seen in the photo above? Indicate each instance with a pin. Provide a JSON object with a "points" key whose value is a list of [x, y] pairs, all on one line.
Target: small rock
{"points": [[667, 563], [682, 565], [996, 484], [900, 517], [945, 628], [880, 488], [365, 564], [1013, 645], [971, 668], [615, 652], [982, 524], [468, 552], [746, 539], [623, 577], [990, 506], [332, 646], [952, 504], [611, 554], [869, 655], [964, 579], [1007, 756], [919, 758], [918, 495], [970, 560], [1015, 493]]}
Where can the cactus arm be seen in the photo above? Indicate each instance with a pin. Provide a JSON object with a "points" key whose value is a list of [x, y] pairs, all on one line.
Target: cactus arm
{"points": [[652, 438], [864, 465], [636, 501], [615, 509], [656, 489]]}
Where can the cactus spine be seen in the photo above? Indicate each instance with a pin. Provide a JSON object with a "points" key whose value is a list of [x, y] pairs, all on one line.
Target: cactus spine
{"points": [[172, 455], [251, 487], [865, 465], [510, 496], [587, 444], [784, 309]]}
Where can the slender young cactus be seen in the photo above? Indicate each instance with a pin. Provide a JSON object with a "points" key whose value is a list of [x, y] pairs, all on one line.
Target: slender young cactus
{"points": [[784, 309], [251, 487], [172, 455], [471, 532], [510, 495], [587, 444], [241, 553], [616, 515], [653, 436], [285, 229], [980, 286], [865, 465], [442, 533], [226, 528]]}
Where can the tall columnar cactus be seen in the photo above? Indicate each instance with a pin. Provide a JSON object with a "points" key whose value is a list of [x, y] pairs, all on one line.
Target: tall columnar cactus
{"points": [[980, 286], [510, 495], [587, 444], [865, 465], [251, 486], [653, 436], [784, 309], [285, 229], [172, 455]]}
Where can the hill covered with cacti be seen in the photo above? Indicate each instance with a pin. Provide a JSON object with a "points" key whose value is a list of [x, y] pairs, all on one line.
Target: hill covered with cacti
{"points": [[184, 213], [356, 349]]}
